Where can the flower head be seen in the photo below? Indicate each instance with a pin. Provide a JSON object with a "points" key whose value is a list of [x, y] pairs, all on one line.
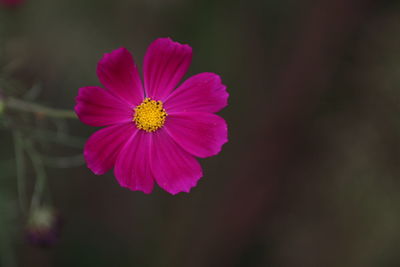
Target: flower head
{"points": [[153, 130], [43, 227]]}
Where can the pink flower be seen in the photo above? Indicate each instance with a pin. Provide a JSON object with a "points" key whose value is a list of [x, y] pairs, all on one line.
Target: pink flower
{"points": [[155, 131]]}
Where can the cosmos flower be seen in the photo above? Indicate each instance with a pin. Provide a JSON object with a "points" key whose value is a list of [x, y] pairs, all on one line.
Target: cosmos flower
{"points": [[155, 130]]}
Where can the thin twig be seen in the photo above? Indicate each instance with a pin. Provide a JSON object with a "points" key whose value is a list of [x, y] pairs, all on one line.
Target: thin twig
{"points": [[67, 140], [64, 162], [40, 171], [21, 170], [21, 105]]}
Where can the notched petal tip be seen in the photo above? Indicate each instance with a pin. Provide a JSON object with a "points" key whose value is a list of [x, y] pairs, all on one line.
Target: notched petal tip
{"points": [[117, 54], [103, 147], [221, 89], [186, 190], [133, 188], [90, 159], [96, 106], [132, 168], [118, 73], [166, 41], [174, 169], [165, 63], [200, 134], [203, 92]]}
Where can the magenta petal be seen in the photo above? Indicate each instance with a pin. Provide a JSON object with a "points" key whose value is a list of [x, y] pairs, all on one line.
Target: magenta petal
{"points": [[97, 107], [165, 63], [132, 168], [102, 148], [201, 134], [203, 92], [174, 169], [118, 73]]}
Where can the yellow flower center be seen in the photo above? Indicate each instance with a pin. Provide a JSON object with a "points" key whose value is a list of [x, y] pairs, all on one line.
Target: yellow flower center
{"points": [[150, 115]]}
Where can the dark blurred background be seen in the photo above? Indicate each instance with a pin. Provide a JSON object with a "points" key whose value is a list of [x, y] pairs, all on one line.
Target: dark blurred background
{"points": [[310, 176]]}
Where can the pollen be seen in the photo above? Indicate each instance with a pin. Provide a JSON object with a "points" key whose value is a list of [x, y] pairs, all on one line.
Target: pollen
{"points": [[150, 115]]}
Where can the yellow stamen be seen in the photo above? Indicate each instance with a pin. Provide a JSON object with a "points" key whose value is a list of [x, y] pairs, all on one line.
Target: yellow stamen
{"points": [[150, 115]]}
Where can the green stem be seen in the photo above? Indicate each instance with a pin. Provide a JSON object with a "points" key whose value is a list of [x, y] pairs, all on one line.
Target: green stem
{"points": [[67, 140], [21, 173], [64, 162], [40, 171], [49, 136], [21, 105]]}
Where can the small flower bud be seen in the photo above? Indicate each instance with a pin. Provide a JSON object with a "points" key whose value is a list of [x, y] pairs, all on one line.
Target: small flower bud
{"points": [[43, 228]]}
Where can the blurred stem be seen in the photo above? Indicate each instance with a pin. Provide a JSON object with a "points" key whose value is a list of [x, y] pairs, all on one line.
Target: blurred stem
{"points": [[33, 93], [67, 140], [40, 171], [21, 173], [64, 162], [47, 136], [22, 105]]}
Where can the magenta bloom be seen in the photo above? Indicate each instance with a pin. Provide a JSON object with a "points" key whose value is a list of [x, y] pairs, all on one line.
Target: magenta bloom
{"points": [[154, 131]]}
